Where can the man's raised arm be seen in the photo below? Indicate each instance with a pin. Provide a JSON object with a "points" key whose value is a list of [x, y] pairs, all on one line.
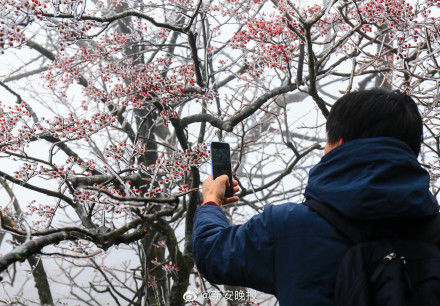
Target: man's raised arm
{"points": [[239, 255]]}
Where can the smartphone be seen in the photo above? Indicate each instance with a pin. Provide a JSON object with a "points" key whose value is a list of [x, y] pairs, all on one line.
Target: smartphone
{"points": [[221, 164]]}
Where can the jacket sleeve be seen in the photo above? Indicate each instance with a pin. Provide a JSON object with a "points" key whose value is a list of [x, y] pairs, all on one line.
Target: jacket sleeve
{"points": [[237, 255]]}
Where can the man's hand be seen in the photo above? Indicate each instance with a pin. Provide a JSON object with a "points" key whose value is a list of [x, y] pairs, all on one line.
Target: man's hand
{"points": [[214, 190]]}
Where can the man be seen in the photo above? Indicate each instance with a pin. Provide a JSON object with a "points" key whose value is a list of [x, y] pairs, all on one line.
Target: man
{"points": [[369, 172]]}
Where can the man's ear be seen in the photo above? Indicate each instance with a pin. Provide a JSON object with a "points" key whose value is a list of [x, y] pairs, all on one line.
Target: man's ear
{"points": [[340, 141]]}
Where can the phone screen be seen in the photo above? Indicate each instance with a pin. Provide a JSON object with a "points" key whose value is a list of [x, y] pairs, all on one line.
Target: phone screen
{"points": [[221, 163]]}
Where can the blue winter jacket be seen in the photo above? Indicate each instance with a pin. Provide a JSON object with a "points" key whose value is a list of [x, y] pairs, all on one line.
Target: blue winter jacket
{"points": [[290, 251]]}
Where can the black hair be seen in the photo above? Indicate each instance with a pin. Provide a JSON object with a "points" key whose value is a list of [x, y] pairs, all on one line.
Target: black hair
{"points": [[375, 113]]}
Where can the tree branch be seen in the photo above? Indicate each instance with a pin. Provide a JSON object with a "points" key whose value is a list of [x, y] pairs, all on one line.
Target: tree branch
{"points": [[228, 125], [31, 247], [118, 17]]}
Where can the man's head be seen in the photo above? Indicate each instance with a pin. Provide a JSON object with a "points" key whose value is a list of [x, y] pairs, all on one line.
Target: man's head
{"points": [[374, 113]]}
